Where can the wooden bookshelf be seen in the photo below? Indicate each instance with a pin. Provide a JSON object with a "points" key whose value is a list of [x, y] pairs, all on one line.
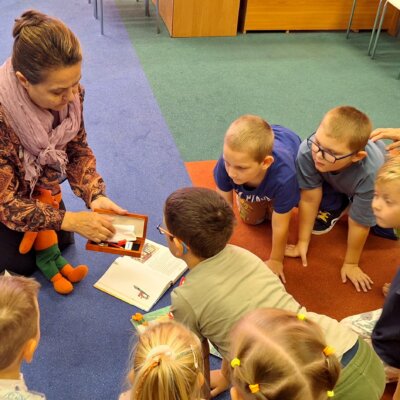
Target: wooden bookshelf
{"points": [[287, 15], [191, 18]]}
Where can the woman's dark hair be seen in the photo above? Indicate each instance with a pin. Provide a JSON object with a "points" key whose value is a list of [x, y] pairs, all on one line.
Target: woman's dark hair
{"points": [[42, 43]]}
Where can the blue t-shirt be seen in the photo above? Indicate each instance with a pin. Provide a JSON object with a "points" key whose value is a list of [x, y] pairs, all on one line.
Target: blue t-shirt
{"points": [[279, 184], [357, 181], [386, 334]]}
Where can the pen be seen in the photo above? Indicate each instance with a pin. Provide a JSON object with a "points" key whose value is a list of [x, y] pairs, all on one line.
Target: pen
{"points": [[142, 294]]}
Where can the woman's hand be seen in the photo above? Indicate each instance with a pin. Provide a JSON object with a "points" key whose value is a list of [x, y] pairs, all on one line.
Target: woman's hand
{"points": [[105, 203], [91, 225]]}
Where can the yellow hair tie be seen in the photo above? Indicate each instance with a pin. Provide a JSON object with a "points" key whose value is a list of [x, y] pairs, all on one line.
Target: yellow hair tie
{"points": [[301, 317], [328, 350], [235, 363], [330, 393], [254, 388]]}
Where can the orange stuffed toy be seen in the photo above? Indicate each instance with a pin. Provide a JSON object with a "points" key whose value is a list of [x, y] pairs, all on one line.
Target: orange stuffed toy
{"points": [[48, 256]]}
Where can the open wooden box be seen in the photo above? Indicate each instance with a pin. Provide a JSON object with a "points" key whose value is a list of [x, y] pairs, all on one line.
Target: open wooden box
{"points": [[140, 223]]}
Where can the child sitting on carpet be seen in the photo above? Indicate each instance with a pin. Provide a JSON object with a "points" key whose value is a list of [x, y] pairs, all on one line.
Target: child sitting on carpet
{"points": [[167, 364], [258, 164], [19, 333], [281, 355], [386, 334], [225, 282], [336, 169]]}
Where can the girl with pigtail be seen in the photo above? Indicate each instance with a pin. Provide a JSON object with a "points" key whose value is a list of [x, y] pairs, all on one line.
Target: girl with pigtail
{"points": [[278, 355], [166, 364]]}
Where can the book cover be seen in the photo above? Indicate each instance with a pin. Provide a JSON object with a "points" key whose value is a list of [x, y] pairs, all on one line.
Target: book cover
{"points": [[142, 321], [142, 281]]}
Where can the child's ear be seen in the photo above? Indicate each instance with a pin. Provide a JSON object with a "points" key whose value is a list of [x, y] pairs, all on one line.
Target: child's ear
{"points": [[267, 162], [360, 155], [180, 246], [200, 379], [235, 395], [131, 376], [29, 350]]}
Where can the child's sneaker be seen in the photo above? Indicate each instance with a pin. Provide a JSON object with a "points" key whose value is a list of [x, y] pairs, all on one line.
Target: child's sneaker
{"points": [[326, 220], [387, 233]]}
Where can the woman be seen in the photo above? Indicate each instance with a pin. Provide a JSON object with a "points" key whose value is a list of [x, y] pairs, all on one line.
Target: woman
{"points": [[43, 141]]}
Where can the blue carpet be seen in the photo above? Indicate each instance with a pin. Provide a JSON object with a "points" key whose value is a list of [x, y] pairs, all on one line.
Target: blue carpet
{"points": [[86, 336]]}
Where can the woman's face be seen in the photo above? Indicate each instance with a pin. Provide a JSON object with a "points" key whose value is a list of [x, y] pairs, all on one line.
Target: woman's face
{"points": [[58, 88]]}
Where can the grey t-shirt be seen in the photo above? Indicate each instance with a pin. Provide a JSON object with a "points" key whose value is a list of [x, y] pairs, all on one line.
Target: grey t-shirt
{"points": [[357, 181], [220, 289]]}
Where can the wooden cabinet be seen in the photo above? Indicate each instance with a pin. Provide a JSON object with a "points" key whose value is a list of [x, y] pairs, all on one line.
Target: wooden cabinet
{"points": [[267, 15], [189, 18]]}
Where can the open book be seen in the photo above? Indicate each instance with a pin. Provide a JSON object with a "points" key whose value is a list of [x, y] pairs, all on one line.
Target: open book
{"points": [[142, 281], [142, 321]]}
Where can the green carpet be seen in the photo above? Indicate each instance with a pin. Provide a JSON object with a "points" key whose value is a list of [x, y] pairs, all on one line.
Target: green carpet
{"points": [[202, 84]]}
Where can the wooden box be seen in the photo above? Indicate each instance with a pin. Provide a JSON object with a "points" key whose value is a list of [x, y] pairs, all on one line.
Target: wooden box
{"points": [[138, 221]]}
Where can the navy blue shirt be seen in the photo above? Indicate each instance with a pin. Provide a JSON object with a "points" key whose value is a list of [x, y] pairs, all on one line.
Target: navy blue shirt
{"points": [[386, 334], [280, 182]]}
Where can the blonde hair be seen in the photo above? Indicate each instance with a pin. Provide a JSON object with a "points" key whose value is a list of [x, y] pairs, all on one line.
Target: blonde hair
{"points": [[389, 171], [346, 122], [167, 363], [18, 316], [251, 134], [282, 356], [42, 43]]}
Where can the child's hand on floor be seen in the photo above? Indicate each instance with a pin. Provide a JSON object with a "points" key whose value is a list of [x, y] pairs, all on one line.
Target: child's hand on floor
{"points": [[218, 382], [298, 250], [357, 276], [276, 267], [385, 289]]}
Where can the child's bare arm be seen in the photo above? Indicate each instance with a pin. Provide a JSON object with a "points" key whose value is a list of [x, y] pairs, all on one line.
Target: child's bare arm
{"points": [[356, 237], [205, 349], [310, 200], [220, 379], [387, 133], [228, 196], [280, 230]]}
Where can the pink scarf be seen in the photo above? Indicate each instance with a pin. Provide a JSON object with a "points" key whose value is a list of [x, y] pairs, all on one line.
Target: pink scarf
{"points": [[42, 144]]}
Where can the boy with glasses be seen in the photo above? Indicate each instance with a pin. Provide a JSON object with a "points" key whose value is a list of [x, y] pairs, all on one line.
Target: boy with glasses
{"points": [[336, 169]]}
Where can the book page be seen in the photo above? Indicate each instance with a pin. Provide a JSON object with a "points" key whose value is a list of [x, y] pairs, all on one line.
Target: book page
{"points": [[161, 260], [133, 283]]}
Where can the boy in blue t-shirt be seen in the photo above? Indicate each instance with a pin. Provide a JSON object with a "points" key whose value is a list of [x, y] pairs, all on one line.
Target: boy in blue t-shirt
{"points": [[258, 164], [336, 168]]}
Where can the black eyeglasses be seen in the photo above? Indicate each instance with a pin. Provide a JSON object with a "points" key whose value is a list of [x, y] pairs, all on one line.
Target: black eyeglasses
{"points": [[326, 154], [163, 231]]}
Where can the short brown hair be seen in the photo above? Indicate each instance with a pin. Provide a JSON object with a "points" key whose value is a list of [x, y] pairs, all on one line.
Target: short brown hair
{"points": [[346, 122], [18, 316], [41, 44], [201, 218], [251, 134], [167, 362], [389, 171], [283, 355]]}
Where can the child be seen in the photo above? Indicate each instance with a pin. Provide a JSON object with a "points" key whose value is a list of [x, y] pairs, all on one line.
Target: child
{"points": [[225, 282], [19, 333], [386, 206], [282, 356], [167, 364], [336, 169], [258, 164]]}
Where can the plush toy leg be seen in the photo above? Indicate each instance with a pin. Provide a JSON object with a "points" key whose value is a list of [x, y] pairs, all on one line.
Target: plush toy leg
{"points": [[74, 274], [46, 262], [27, 242]]}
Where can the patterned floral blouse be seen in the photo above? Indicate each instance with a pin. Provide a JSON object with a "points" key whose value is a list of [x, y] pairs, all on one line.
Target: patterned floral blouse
{"points": [[21, 213]]}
